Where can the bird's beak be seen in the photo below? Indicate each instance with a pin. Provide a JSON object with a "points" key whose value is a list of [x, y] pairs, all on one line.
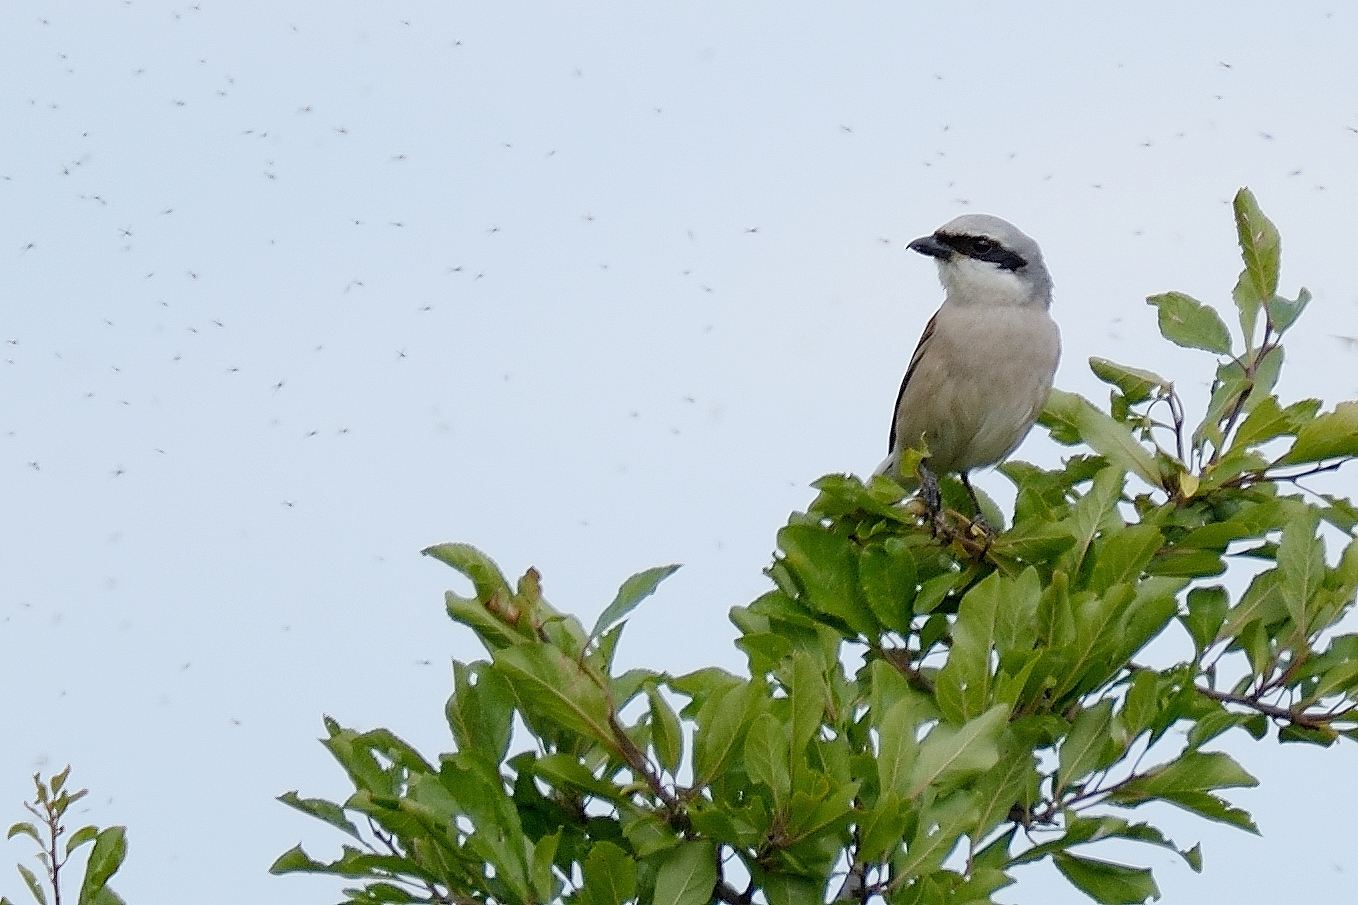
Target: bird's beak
{"points": [[928, 245]]}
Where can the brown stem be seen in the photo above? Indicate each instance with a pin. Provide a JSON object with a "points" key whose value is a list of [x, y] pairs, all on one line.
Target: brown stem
{"points": [[855, 887], [633, 756], [53, 831], [1176, 408], [1251, 372], [1297, 717], [855, 880], [727, 893], [1252, 477], [900, 659], [638, 762]]}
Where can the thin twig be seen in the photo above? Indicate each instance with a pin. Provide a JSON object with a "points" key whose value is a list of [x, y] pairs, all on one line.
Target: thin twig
{"points": [[1296, 717], [641, 765]]}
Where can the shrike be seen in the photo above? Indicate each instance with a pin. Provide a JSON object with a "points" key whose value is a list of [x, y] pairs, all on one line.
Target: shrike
{"points": [[983, 368]]}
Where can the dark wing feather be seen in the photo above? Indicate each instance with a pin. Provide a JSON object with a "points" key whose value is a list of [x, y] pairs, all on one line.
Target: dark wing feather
{"points": [[914, 361]]}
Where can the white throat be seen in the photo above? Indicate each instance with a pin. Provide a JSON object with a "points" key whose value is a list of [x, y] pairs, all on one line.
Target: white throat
{"points": [[970, 282]]}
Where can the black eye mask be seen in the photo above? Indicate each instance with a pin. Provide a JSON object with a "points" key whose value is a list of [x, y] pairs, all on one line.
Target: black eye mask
{"points": [[982, 249]]}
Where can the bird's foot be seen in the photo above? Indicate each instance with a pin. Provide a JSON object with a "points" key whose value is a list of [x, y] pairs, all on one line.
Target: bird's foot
{"points": [[982, 531], [933, 500], [979, 528]]}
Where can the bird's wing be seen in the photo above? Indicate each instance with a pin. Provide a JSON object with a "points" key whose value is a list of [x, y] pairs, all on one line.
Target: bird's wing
{"points": [[909, 372]]}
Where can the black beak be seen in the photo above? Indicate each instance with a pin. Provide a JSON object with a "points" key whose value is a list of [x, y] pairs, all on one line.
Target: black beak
{"points": [[929, 245]]}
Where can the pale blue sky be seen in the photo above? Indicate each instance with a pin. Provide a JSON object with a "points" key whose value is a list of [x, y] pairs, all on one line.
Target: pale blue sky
{"points": [[292, 290]]}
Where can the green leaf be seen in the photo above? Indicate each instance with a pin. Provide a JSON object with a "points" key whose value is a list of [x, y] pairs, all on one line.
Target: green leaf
{"points": [[1016, 613], [667, 736], [723, 720], [295, 860], [897, 747], [1207, 608], [645, 831], [492, 628], [765, 650], [809, 697], [31, 881], [485, 576], [826, 569], [1187, 322], [1034, 540], [321, 809], [767, 757], [551, 688], [1262, 601], [824, 813], [1214, 808], [1248, 304], [1106, 882], [1230, 386], [1301, 560], [1250, 520], [964, 683], [1196, 771], [107, 896], [1084, 830], [80, 837], [633, 591], [1085, 663], [1317, 735], [1184, 782], [994, 617], [544, 882], [889, 580], [1153, 608], [1069, 415], [25, 829], [1265, 422], [1141, 704], [563, 771], [110, 848], [1134, 383], [790, 889], [936, 834], [1082, 752], [480, 711], [1283, 313], [1215, 722], [688, 875], [1122, 556], [610, 875], [1260, 247], [1339, 512], [1332, 435], [950, 753], [883, 827], [1012, 781]]}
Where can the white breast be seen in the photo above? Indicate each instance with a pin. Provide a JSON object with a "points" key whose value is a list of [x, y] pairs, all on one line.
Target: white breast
{"points": [[982, 379]]}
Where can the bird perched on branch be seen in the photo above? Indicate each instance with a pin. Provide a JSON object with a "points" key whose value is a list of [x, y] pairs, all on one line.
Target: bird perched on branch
{"points": [[983, 368]]}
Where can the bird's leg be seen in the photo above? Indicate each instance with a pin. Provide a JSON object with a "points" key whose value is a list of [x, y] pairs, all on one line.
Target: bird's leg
{"points": [[932, 496], [980, 520]]}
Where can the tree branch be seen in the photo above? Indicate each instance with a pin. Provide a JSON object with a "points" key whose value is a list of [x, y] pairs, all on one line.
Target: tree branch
{"points": [[1297, 717], [725, 892]]}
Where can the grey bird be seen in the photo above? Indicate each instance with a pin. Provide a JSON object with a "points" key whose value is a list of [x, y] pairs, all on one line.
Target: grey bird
{"points": [[984, 367]]}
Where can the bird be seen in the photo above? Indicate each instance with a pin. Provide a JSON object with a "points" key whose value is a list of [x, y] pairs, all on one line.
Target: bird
{"points": [[984, 367]]}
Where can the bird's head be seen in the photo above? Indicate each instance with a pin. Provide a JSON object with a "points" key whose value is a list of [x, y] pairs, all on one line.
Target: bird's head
{"points": [[983, 260]]}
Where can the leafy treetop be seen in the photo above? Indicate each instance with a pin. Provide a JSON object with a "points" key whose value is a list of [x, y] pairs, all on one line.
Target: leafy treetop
{"points": [[921, 713]]}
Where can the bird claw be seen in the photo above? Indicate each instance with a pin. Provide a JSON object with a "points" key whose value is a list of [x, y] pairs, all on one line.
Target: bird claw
{"points": [[979, 527], [933, 500]]}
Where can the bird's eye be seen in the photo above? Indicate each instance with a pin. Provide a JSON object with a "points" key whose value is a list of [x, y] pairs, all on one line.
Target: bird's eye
{"points": [[984, 245]]}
